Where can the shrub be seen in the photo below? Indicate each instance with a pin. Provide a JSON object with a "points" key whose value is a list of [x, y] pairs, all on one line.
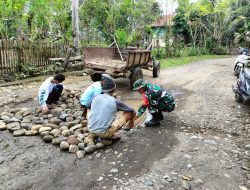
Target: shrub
{"points": [[159, 54], [121, 37], [219, 50]]}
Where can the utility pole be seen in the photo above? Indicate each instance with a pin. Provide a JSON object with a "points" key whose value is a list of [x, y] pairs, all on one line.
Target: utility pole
{"points": [[75, 22]]}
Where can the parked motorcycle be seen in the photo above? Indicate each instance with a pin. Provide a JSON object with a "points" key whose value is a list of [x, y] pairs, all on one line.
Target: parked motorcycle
{"points": [[240, 62], [242, 89]]}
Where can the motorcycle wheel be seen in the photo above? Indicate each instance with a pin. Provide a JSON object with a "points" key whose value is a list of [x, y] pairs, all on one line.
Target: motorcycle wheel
{"points": [[238, 97]]}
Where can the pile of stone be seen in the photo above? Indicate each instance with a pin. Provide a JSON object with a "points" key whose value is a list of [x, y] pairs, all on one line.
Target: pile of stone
{"points": [[63, 126]]}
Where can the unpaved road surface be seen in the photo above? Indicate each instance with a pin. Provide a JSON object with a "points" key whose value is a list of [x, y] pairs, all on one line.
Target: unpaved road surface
{"points": [[203, 144]]}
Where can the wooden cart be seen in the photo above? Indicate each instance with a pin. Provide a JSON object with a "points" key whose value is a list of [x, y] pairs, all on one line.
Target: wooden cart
{"points": [[126, 63]]}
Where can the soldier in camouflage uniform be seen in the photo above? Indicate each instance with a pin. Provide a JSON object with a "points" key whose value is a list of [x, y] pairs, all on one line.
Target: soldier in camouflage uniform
{"points": [[155, 99]]}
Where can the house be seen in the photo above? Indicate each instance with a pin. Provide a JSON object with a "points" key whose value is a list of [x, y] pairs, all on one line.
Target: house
{"points": [[159, 29]]}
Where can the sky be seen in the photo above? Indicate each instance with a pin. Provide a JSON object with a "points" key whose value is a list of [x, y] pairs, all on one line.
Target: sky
{"points": [[169, 6]]}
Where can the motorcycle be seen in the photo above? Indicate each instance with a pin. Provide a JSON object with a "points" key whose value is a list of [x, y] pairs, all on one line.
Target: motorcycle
{"points": [[242, 89], [240, 62]]}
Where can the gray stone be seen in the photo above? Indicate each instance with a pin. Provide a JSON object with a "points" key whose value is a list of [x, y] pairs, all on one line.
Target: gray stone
{"points": [[27, 119], [84, 123], [55, 121], [81, 136], [99, 145], [31, 133], [89, 149], [7, 114], [44, 133], [114, 170], [48, 138], [185, 185], [2, 125], [53, 126], [5, 117], [80, 140], [100, 179], [50, 116], [80, 154], [85, 130], [69, 119], [64, 145], [63, 115], [66, 133], [149, 183], [198, 182], [36, 127], [63, 128], [72, 141], [56, 141], [56, 132], [39, 122], [42, 129], [26, 126], [76, 127], [187, 156], [13, 126], [73, 148], [81, 146], [26, 113], [15, 119], [98, 155], [63, 124], [211, 142], [56, 111], [18, 133]]}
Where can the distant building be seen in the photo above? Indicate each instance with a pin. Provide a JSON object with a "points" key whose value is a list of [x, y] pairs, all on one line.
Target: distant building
{"points": [[159, 29]]}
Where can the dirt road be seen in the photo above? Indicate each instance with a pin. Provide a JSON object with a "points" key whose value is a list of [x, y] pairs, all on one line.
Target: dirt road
{"points": [[201, 145]]}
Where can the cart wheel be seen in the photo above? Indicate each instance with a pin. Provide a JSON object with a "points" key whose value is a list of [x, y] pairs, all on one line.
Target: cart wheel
{"points": [[156, 69], [136, 74]]}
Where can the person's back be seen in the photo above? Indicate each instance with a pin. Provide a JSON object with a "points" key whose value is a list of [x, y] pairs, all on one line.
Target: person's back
{"points": [[90, 92], [103, 112]]}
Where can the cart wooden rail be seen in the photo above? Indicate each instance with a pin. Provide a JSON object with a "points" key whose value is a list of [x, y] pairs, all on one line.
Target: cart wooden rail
{"points": [[125, 63]]}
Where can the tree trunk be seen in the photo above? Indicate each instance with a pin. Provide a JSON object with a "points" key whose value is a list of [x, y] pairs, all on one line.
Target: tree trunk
{"points": [[75, 23]]}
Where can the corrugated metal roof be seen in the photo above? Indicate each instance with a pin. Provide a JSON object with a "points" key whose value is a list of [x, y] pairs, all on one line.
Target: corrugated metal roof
{"points": [[163, 20]]}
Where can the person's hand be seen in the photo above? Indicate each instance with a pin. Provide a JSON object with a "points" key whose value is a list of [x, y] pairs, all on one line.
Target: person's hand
{"points": [[131, 124], [45, 109]]}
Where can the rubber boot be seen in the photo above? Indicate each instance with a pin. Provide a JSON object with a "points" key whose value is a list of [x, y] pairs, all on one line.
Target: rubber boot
{"points": [[152, 123]]}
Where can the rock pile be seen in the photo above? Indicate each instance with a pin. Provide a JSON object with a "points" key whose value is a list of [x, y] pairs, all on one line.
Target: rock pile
{"points": [[63, 126]]}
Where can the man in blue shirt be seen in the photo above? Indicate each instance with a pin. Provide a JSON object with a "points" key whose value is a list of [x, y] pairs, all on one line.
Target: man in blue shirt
{"points": [[103, 121], [93, 90]]}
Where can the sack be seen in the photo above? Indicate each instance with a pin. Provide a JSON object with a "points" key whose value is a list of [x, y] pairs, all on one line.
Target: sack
{"points": [[166, 102]]}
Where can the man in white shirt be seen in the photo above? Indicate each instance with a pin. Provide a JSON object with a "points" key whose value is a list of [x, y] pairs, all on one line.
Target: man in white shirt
{"points": [[50, 91]]}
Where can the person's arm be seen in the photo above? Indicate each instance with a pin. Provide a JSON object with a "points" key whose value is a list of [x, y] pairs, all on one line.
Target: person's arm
{"points": [[143, 107], [123, 107], [42, 98]]}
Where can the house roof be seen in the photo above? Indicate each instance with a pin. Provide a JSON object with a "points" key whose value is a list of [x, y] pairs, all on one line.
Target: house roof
{"points": [[163, 20]]}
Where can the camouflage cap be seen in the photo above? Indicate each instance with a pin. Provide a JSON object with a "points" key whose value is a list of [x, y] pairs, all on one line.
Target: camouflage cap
{"points": [[138, 84]]}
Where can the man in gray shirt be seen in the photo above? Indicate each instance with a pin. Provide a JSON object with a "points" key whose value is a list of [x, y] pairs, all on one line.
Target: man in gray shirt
{"points": [[103, 121]]}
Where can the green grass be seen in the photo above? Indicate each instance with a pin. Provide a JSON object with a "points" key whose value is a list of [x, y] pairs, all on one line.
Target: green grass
{"points": [[178, 61]]}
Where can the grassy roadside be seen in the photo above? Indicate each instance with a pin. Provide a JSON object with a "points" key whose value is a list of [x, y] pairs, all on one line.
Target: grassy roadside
{"points": [[173, 62]]}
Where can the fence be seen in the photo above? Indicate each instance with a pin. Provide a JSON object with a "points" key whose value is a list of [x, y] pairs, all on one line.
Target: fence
{"points": [[14, 56]]}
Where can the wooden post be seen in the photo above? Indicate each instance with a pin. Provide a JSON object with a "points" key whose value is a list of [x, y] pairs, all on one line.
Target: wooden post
{"points": [[75, 23]]}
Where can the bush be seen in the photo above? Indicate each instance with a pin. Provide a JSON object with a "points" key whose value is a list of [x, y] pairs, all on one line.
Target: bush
{"points": [[121, 37], [159, 54], [219, 50]]}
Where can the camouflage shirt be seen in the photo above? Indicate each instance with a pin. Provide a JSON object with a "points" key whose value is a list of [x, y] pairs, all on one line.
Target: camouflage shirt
{"points": [[156, 99]]}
